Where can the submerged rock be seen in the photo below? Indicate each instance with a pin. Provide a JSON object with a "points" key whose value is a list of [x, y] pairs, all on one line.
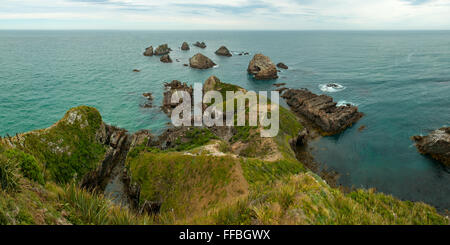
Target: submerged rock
{"points": [[199, 61], [172, 87], [321, 110], [223, 51], [278, 84], [185, 46], [282, 65], [136, 70], [262, 68], [165, 59], [148, 51], [436, 144], [200, 44], [162, 49]]}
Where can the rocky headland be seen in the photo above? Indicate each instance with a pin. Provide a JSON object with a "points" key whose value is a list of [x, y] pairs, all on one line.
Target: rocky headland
{"points": [[321, 110]]}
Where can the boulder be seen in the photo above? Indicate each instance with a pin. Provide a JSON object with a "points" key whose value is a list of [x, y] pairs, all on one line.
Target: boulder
{"points": [[200, 44], [172, 87], [223, 51], [165, 59], [148, 51], [262, 68], [136, 70], [282, 65], [162, 49], [199, 61], [436, 144], [185, 46], [321, 110]]}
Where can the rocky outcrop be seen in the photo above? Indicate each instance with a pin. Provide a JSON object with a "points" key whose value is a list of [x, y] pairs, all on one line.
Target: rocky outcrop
{"points": [[148, 51], [282, 65], [300, 140], [262, 68], [172, 87], [165, 59], [223, 51], [200, 44], [199, 61], [436, 144], [185, 46], [321, 110], [162, 49]]}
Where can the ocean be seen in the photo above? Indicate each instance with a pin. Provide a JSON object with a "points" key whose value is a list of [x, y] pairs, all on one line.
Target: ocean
{"points": [[400, 80]]}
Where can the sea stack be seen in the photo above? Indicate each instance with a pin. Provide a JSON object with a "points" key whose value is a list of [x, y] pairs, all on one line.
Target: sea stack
{"points": [[321, 110], [436, 144], [223, 51], [148, 51], [262, 68], [185, 46], [200, 44], [199, 61], [172, 87], [162, 49], [165, 59]]}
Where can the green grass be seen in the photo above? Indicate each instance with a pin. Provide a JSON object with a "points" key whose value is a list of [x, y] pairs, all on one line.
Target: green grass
{"points": [[68, 151], [9, 176], [28, 165], [194, 138]]}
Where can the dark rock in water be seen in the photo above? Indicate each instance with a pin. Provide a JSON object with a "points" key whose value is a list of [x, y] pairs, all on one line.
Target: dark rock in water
{"points": [[279, 84], [149, 96], [162, 49], [333, 85], [148, 51], [165, 59], [185, 46], [282, 65], [262, 68], [200, 44], [246, 53], [172, 87], [362, 126], [199, 61], [136, 70], [177, 60], [223, 51], [149, 102], [321, 110], [436, 144], [240, 54], [185, 65]]}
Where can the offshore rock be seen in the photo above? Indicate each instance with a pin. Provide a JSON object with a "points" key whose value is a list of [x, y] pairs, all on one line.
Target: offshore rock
{"points": [[223, 51], [282, 65], [185, 46], [148, 51], [165, 59], [321, 110], [436, 144], [200, 44], [162, 49], [262, 68], [199, 61], [172, 87]]}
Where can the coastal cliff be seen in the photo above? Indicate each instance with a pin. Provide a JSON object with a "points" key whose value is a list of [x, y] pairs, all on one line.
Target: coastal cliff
{"points": [[186, 175]]}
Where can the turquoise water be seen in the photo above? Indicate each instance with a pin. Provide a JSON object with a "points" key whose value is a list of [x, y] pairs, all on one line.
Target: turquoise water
{"points": [[400, 80]]}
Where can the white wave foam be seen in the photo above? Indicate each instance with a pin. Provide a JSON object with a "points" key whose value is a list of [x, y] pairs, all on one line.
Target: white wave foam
{"points": [[216, 66], [344, 102], [331, 87]]}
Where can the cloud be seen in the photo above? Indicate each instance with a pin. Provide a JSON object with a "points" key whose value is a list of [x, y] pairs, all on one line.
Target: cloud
{"points": [[230, 14]]}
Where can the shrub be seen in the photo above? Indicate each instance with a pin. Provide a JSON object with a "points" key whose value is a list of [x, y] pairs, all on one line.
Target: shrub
{"points": [[28, 165], [9, 177]]}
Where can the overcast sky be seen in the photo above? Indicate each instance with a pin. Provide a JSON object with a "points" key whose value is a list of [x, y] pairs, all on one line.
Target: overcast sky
{"points": [[226, 14]]}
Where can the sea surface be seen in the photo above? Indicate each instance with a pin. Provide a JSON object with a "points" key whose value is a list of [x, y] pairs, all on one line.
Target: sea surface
{"points": [[399, 79]]}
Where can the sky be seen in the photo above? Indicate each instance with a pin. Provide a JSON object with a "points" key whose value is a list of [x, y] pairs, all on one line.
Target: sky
{"points": [[226, 14]]}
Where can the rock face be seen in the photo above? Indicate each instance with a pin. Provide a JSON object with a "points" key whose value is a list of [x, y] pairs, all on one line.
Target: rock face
{"points": [[162, 49], [436, 144], [321, 110], [172, 87], [199, 61], [185, 46], [282, 65], [200, 44], [165, 59], [223, 51], [148, 51], [262, 68]]}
